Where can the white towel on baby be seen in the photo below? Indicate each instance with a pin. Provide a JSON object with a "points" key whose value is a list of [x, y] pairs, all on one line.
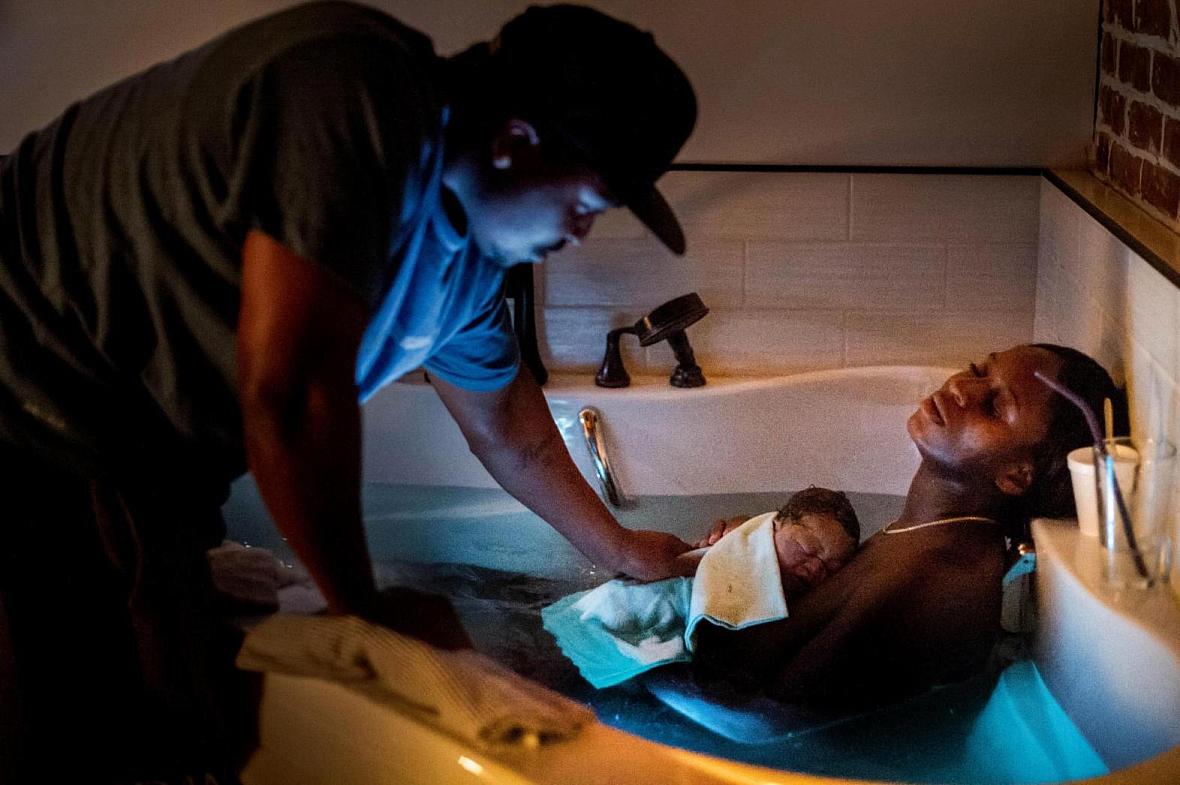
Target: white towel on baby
{"points": [[738, 583], [622, 628], [461, 692]]}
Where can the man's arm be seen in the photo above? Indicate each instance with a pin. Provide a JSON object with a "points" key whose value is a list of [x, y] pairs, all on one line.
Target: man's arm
{"points": [[512, 433], [298, 333]]}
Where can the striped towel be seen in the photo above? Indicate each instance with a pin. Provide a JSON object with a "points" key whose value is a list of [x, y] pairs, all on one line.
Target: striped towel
{"points": [[461, 692]]}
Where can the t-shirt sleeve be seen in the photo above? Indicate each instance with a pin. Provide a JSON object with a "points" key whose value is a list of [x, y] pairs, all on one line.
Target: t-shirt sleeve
{"points": [[483, 355], [334, 130]]}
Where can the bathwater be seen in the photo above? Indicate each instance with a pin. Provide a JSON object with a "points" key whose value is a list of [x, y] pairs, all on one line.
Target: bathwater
{"points": [[500, 565]]}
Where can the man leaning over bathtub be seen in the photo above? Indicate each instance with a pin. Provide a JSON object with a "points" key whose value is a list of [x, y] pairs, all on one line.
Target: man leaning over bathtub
{"points": [[202, 266]]}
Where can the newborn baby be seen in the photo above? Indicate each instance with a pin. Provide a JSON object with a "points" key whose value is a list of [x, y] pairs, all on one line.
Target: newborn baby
{"points": [[744, 572], [815, 533]]}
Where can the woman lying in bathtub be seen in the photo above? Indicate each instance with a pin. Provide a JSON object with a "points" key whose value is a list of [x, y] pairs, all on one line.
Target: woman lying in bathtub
{"points": [[919, 603]]}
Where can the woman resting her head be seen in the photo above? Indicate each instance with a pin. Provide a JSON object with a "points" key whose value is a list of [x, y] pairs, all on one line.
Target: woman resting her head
{"points": [[919, 603]]}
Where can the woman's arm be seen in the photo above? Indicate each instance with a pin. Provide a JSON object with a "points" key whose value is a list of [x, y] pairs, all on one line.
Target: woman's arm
{"points": [[848, 598], [741, 717]]}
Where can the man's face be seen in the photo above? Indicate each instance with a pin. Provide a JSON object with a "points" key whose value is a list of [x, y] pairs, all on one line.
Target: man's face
{"points": [[529, 206], [810, 549], [993, 415]]}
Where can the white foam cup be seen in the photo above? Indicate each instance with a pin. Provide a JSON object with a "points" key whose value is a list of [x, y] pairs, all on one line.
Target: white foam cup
{"points": [[1085, 491]]}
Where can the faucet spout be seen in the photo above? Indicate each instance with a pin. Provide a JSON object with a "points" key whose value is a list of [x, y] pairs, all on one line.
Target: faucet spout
{"points": [[612, 373]]}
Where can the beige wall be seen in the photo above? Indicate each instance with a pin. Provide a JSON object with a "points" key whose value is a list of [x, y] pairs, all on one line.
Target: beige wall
{"points": [[1096, 294], [1004, 82], [809, 271]]}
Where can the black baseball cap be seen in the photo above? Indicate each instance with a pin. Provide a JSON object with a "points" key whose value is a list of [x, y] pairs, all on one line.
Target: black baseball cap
{"points": [[609, 92]]}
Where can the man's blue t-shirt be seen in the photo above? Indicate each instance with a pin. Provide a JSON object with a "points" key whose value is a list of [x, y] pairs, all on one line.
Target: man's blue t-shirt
{"points": [[444, 309]]}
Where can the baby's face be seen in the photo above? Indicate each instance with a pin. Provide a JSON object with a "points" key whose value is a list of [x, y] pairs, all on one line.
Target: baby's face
{"points": [[811, 549]]}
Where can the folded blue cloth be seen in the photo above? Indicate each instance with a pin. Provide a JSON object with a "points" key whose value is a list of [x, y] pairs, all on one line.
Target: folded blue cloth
{"points": [[622, 628]]}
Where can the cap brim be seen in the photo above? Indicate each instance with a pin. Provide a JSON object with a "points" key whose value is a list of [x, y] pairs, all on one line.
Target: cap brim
{"points": [[649, 206]]}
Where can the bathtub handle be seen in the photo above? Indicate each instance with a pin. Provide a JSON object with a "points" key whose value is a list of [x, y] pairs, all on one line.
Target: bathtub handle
{"points": [[591, 420]]}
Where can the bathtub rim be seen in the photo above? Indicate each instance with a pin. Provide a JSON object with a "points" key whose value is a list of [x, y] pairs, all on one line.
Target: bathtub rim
{"points": [[1070, 564], [879, 399], [566, 381]]}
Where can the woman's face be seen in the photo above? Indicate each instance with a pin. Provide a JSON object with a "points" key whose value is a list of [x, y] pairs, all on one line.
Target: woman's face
{"points": [[990, 417]]}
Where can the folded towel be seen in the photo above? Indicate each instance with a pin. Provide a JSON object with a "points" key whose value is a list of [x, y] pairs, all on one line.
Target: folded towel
{"points": [[460, 692], [738, 583], [622, 628]]}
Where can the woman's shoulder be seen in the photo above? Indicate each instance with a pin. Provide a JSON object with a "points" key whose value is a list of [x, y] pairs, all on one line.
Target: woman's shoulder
{"points": [[898, 571]]}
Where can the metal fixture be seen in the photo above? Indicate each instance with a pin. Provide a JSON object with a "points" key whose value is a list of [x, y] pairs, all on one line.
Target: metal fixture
{"points": [[668, 321], [518, 287], [591, 420]]}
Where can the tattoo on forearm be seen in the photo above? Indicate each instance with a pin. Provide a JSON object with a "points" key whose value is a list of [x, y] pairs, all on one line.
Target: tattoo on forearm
{"points": [[530, 454]]}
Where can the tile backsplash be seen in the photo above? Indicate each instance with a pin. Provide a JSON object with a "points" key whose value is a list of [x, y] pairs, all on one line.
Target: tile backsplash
{"points": [[1096, 294], [805, 271]]}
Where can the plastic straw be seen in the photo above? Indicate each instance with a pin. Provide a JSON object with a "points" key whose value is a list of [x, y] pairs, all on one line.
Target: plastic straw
{"points": [[1107, 463]]}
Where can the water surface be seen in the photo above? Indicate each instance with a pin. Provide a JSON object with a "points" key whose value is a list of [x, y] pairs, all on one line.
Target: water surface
{"points": [[500, 565]]}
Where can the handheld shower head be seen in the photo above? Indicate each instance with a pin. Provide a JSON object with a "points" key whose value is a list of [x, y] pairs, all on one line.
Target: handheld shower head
{"points": [[665, 322], [673, 316]]}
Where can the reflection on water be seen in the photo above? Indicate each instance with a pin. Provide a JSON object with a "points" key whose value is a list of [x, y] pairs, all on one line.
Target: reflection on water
{"points": [[437, 524], [978, 733]]}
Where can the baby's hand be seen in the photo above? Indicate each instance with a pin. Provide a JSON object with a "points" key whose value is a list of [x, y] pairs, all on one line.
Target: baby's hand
{"points": [[720, 528]]}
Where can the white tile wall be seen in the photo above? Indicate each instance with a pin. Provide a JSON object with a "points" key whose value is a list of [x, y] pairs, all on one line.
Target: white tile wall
{"points": [[1096, 294], [951, 338], [754, 340], [641, 274], [804, 271], [905, 208], [996, 278], [760, 205], [844, 275]]}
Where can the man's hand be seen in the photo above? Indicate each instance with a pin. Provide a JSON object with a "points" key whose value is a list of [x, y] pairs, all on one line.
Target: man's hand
{"points": [[650, 555], [512, 433], [720, 528]]}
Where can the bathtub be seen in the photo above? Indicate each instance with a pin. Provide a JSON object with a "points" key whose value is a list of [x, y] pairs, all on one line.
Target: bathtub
{"points": [[1112, 661]]}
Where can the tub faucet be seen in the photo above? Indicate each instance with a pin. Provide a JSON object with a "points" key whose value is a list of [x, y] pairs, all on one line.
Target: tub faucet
{"points": [[668, 321]]}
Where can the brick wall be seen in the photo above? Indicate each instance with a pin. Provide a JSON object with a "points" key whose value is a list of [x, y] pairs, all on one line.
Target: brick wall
{"points": [[1137, 135]]}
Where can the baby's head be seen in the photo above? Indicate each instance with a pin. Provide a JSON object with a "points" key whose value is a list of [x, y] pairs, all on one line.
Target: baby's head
{"points": [[815, 532]]}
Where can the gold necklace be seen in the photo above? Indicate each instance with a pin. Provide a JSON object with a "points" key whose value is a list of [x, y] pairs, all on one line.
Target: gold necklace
{"points": [[940, 522]]}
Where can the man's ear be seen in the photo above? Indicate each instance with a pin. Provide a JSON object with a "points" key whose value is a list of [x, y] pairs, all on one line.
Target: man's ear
{"points": [[1015, 478], [515, 141]]}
